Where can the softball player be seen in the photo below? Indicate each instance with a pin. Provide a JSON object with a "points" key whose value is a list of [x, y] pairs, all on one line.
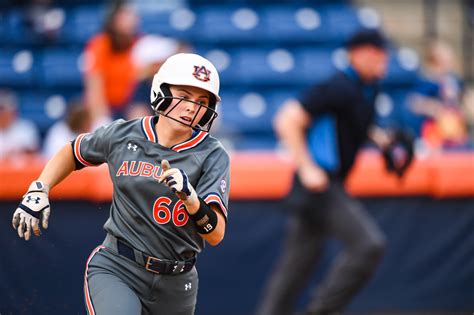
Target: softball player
{"points": [[171, 185]]}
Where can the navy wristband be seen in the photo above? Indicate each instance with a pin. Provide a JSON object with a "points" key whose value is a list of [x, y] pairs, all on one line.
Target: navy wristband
{"points": [[205, 219]]}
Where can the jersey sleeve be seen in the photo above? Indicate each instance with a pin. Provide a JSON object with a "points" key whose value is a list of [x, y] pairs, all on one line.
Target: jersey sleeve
{"points": [[214, 185], [92, 149]]}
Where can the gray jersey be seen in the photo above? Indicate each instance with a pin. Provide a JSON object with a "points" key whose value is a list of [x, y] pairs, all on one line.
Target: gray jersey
{"points": [[145, 213]]}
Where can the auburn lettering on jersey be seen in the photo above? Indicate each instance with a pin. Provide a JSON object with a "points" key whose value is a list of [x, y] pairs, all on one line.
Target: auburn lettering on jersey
{"points": [[139, 168]]}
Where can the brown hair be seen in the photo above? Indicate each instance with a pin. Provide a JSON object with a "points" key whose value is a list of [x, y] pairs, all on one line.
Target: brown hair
{"points": [[119, 43], [77, 116]]}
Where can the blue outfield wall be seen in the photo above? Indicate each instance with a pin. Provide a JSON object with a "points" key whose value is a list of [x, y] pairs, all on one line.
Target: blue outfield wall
{"points": [[429, 265]]}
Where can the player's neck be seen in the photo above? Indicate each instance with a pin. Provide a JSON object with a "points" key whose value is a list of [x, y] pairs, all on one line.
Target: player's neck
{"points": [[171, 134]]}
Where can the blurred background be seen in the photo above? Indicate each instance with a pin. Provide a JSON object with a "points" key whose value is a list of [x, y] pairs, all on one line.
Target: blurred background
{"points": [[56, 81]]}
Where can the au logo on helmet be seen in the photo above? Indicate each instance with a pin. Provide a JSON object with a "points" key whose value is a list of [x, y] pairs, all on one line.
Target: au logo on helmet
{"points": [[201, 73]]}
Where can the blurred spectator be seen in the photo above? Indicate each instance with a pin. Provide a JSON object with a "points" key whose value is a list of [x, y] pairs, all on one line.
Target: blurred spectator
{"points": [[437, 99], [43, 19], [468, 109], [78, 120], [112, 72], [17, 136]]}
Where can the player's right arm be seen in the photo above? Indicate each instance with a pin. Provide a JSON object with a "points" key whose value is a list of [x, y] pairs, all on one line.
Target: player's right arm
{"points": [[290, 124], [34, 208], [59, 167]]}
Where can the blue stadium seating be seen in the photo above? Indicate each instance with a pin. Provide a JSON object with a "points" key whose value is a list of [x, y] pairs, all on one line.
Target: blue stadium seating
{"points": [[230, 24], [399, 74], [315, 64], [253, 66], [61, 68], [342, 21], [180, 24], [43, 107], [275, 66], [251, 111], [308, 24], [273, 49], [82, 23], [18, 67], [3, 24], [15, 30]]}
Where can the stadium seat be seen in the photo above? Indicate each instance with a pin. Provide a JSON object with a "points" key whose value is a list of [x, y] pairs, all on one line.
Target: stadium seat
{"points": [[295, 24], [18, 67], [43, 108], [315, 64], [60, 68], [179, 23], [271, 66], [229, 24], [245, 117], [251, 111], [15, 31], [403, 68], [82, 22], [342, 21], [266, 67], [3, 28]]}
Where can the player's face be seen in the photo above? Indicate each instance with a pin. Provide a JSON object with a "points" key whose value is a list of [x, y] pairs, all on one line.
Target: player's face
{"points": [[187, 109]]}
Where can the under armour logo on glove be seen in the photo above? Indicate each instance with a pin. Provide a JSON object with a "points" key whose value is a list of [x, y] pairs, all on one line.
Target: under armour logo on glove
{"points": [[36, 200], [33, 209], [177, 180]]}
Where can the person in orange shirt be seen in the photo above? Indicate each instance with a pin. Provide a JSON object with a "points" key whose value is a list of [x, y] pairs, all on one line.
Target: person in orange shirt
{"points": [[118, 59], [110, 74]]}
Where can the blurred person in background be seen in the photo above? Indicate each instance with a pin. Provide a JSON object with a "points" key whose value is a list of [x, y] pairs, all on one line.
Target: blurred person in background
{"points": [[78, 120], [468, 110], [437, 99], [112, 67], [42, 19], [17, 136], [340, 109]]}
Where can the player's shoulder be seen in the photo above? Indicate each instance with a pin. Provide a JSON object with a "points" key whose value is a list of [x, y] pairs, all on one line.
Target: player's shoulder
{"points": [[214, 143], [213, 147]]}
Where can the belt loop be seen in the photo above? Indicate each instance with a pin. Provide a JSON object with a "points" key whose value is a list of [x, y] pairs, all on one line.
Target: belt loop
{"points": [[139, 257], [111, 242]]}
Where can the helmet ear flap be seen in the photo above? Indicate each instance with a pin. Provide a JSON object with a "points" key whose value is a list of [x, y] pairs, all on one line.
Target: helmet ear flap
{"points": [[210, 114], [162, 99]]}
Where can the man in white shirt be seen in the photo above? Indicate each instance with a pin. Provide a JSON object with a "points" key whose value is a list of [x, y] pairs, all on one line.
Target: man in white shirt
{"points": [[17, 135]]}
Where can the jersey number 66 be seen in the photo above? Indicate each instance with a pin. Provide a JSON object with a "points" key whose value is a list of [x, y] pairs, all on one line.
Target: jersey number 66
{"points": [[162, 213]]}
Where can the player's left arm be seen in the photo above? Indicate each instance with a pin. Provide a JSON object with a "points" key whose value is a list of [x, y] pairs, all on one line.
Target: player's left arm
{"points": [[208, 218]]}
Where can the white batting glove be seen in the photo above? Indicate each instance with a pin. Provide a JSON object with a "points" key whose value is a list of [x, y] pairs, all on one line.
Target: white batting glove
{"points": [[177, 180], [32, 209]]}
